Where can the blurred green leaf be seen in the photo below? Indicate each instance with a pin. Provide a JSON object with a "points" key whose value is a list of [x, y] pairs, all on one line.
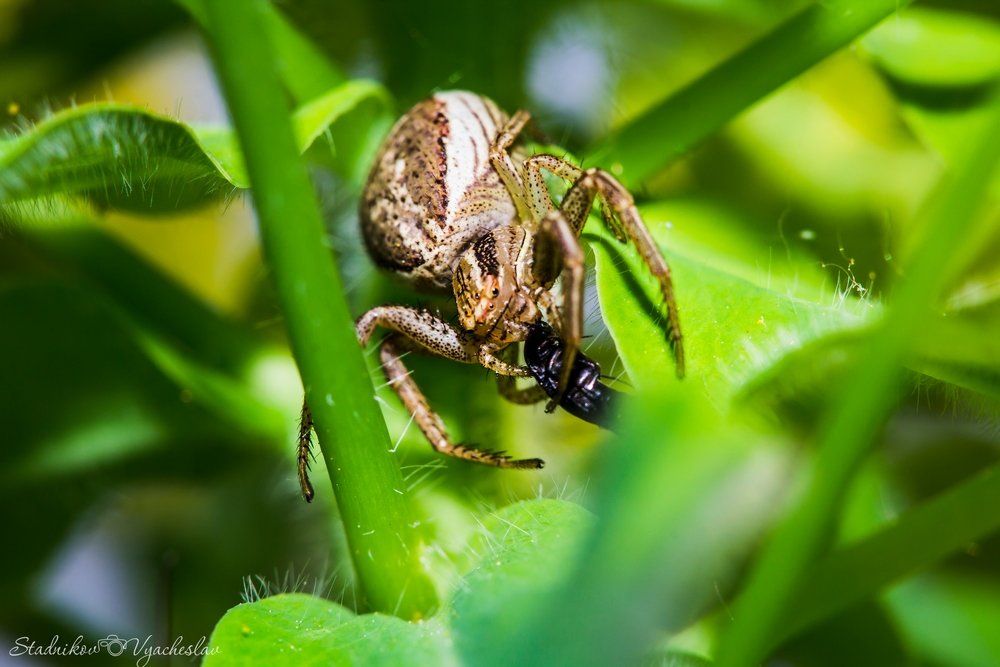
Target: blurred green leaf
{"points": [[682, 497], [935, 47], [125, 157], [678, 123], [106, 395], [87, 256], [958, 350], [859, 406], [950, 618], [302, 630], [863, 636]]}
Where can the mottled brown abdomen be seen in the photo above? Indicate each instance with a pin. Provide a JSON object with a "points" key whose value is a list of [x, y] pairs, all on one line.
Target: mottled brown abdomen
{"points": [[433, 191]]}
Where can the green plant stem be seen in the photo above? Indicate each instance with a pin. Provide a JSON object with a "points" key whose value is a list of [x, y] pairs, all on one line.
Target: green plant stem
{"points": [[370, 491], [858, 408], [303, 69], [674, 126], [919, 538]]}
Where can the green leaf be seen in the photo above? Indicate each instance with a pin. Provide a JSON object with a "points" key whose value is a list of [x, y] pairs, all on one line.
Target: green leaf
{"points": [[682, 497], [933, 47], [303, 630], [523, 554], [106, 394], [743, 306], [950, 619], [129, 158]]}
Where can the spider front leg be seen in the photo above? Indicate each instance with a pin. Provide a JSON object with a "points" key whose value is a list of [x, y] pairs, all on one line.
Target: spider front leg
{"points": [[557, 229], [427, 420], [624, 221], [419, 330]]}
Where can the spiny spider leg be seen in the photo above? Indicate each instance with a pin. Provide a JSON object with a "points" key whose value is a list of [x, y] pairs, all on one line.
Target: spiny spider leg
{"points": [[431, 334], [429, 422], [633, 228], [504, 165], [421, 331], [575, 208], [620, 215], [305, 455], [540, 198], [558, 229]]}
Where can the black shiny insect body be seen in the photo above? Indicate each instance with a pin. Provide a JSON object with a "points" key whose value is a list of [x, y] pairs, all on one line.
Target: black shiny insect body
{"points": [[586, 396]]}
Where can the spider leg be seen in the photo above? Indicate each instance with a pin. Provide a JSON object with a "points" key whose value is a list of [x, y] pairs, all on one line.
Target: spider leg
{"points": [[430, 422], [422, 331], [576, 205], [559, 228], [504, 165], [508, 385], [305, 455], [541, 199]]}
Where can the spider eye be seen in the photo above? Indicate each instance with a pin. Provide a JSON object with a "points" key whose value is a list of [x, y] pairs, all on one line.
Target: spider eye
{"points": [[476, 296], [492, 306], [496, 292]]}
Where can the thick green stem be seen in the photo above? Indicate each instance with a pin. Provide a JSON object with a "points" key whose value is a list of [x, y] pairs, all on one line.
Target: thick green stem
{"points": [[924, 535], [858, 409], [677, 124], [366, 478]]}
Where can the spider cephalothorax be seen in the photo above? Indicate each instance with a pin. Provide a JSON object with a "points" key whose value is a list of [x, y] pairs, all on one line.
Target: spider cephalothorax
{"points": [[495, 289], [450, 204]]}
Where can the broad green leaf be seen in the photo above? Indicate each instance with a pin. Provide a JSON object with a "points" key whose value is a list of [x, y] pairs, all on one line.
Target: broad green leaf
{"points": [[523, 553], [935, 47], [743, 306], [303, 630], [129, 158]]}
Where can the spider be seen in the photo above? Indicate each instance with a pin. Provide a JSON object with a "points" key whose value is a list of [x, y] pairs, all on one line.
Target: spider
{"points": [[451, 204]]}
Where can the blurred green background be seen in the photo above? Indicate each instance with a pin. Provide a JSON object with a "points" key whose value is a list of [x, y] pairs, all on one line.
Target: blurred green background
{"points": [[148, 401]]}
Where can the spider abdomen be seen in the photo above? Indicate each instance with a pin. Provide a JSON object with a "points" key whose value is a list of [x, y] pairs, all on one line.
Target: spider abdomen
{"points": [[432, 191]]}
